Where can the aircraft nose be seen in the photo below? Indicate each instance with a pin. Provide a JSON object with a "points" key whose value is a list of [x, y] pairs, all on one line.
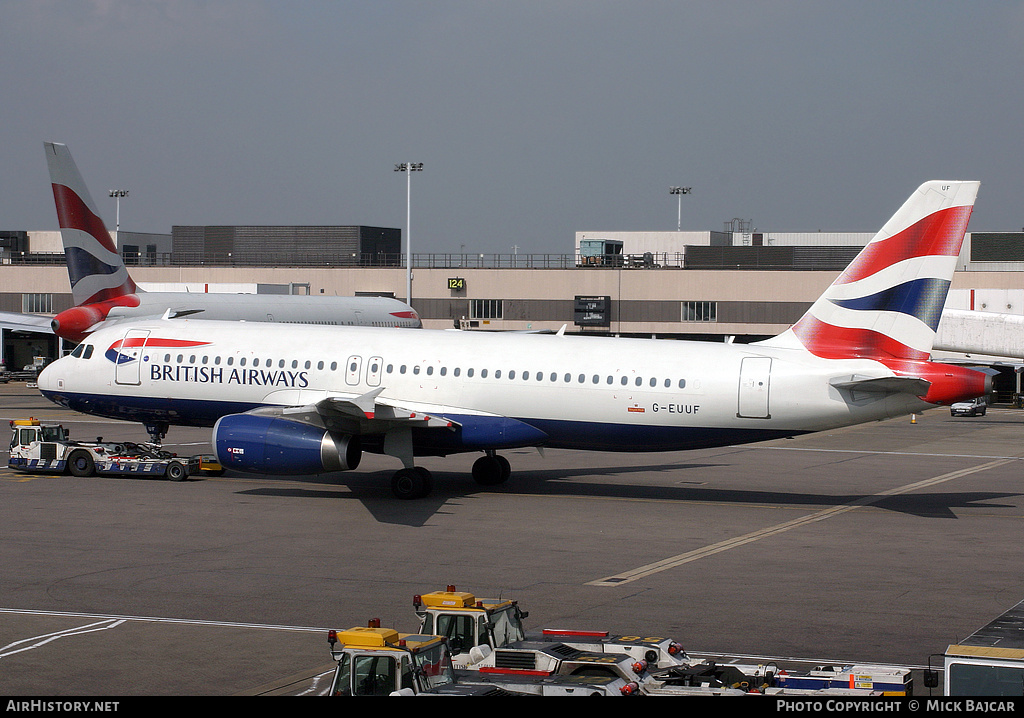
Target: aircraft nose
{"points": [[47, 379]]}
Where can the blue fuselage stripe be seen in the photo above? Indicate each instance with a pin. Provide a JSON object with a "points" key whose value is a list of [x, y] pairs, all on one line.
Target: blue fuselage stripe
{"points": [[591, 436]]}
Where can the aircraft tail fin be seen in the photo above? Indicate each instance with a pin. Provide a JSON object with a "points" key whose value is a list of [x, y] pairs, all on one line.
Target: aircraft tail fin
{"points": [[95, 268], [888, 301]]}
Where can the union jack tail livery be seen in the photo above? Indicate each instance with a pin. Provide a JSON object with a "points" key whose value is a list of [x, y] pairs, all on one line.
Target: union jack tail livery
{"points": [[104, 293], [95, 268], [887, 304]]}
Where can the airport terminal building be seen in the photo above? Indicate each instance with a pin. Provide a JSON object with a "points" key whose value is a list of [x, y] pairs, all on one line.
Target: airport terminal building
{"points": [[736, 285]]}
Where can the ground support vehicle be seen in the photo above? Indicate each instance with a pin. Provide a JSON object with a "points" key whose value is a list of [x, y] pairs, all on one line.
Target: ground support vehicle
{"points": [[470, 622], [989, 662], [49, 449], [375, 661], [485, 633], [710, 677]]}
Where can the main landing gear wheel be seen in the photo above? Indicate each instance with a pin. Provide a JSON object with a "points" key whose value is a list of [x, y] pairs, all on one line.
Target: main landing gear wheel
{"points": [[491, 470], [414, 483]]}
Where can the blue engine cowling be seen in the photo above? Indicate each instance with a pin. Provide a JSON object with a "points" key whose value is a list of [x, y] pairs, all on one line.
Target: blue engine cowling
{"points": [[271, 445]]}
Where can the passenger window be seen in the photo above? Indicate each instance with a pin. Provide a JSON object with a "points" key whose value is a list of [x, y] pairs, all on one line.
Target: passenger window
{"points": [[682, 383]]}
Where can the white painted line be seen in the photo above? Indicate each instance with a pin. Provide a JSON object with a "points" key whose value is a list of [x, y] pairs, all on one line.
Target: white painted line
{"points": [[716, 548], [158, 619], [38, 641]]}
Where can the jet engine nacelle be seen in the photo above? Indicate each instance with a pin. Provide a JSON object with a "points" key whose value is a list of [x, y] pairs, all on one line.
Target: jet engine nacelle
{"points": [[271, 445], [949, 383]]}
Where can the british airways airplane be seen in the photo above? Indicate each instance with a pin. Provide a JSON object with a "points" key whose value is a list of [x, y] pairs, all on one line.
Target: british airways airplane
{"points": [[305, 400], [104, 293]]}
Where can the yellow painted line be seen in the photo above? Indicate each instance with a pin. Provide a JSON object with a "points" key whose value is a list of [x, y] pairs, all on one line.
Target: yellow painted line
{"points": [[716, 548]]}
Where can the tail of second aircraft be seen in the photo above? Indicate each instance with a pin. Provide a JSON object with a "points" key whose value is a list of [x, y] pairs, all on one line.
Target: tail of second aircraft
{"points": [[95, 268], [99, 278], [888, 302]]}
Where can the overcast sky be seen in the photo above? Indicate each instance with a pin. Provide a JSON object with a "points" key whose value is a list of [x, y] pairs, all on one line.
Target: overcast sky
{"points": [[534, 120]]}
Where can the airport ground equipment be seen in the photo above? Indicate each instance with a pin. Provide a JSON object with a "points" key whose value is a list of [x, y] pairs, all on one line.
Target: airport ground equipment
{"points": [[711, 678], [471, 623], [48, 448], [375, 661], [488, 635], [989, 662]]}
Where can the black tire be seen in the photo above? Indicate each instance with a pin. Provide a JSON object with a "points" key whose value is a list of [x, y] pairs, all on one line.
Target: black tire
{"points": [[491, 470], [176, 471], [414, 483], [81, 463]]}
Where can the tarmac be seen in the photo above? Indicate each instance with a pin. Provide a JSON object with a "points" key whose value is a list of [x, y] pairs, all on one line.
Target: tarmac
{"points": [[881, 543]]}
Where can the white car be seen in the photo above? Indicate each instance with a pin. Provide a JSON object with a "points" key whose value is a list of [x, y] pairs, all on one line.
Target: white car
{"points": [[975, 407]]}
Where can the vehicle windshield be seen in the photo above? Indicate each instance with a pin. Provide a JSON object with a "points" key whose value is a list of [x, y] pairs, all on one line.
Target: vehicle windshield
{"points": [[435, 666], [507, 627], [53, 433]]}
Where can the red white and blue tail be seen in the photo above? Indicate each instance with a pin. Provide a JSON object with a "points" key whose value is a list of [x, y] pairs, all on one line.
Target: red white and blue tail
{"points": [[95, 268], [888, 302]]}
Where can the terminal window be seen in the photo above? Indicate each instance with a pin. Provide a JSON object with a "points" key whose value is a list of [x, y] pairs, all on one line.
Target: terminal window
{"points": [[700, 311], [37, 303], [486, 308]]}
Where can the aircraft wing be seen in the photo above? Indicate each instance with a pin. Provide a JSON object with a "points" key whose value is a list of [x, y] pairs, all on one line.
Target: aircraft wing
{"points": [[26, 322], [364, 414]]}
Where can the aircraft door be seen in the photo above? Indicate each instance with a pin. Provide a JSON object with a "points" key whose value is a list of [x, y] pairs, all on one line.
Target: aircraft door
{"points": [[353, 369], [127, 357], [755, 382]]}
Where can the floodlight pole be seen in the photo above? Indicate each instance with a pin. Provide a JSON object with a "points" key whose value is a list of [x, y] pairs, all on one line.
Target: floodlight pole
{"points": [[408, 168], [680, 191], [117, 194]]}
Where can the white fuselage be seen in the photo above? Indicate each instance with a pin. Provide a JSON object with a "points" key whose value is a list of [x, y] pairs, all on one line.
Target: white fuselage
{"points": [[582, 392], [278, 308]]}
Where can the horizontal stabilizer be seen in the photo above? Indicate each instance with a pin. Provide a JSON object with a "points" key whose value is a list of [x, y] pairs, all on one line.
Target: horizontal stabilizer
{"points": [[884, 385]]}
